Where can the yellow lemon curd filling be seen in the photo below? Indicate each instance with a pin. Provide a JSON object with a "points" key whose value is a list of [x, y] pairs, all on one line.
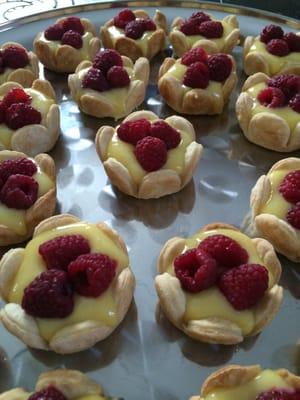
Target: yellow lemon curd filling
{"points": [[211, 302], [16, 219], [39, 101], [275, 63], [266, 380], [291, 117], [124, 153], [101, 309]]}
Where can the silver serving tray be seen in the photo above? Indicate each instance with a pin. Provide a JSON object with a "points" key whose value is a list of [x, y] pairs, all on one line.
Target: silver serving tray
{"points": [[146, 357]]}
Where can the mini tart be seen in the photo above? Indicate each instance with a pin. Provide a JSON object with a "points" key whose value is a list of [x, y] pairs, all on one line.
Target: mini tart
{"points": [[151, 43], [207, 316], [273, 128], [36, 138], [117, 102], [63, 58], [93, 318], [74, 385], [269, 209], [182, 43], [24, 76], [193, 101], [18, 225], [127, 174], [237, 382], [256, 58]]}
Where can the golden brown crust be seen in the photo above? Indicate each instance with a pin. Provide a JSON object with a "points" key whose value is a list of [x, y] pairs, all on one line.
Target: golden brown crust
{"points": [[65, 58], [193, 101], [181, 45], [129, 47], [72, 338], [95, 103], [43, 207], [154, 184], [215, 329]]}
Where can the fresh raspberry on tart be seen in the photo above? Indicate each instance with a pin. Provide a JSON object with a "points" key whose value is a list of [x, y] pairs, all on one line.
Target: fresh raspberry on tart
{"points": [[133, 33], [63, 45]]}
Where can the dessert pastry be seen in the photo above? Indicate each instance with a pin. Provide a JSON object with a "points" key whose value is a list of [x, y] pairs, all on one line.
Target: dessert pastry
{"points": [[268, 111], [202, 30], [134, 34], [29, 118], [219, 286], [62, 46], [237, 382], [69, 288], [27, 194], [60, 384], [147, 157], [272, 52], [275, 206], [111, 86], [197, 83], [18, 64]]}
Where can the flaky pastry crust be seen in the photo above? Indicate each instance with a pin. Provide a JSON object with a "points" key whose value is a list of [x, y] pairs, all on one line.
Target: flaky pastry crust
{"points": [[154, 184], [24, 76], [265, 128], [75, 337], [43, 207], [283, 236], [193, 101], [236, 375], [130, 47], [65, 58], [36, 138], [181, 45], [95, 103], [256, 61], [215, 329]]}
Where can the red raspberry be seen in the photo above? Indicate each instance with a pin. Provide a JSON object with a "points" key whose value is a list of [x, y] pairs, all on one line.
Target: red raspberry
{"points": [[245, 285], [289, 84], [16, 95], [190, 27], [49, 295], [197, 76], [271, 32], [123, 18], [73, 39], [94, 79], [226, 251], [293, 41], [193, 56], [149, 24], [60, 251], [271, 97], [73, 24], [20, 114], [2, 66], [211, 29], [50, 393], [196, 270], [133, 131], [293, 216], [166, 133], [23, 166], [200, 16], [151, 153], [54, 32], [118, 77], [290, 187], [19, 191], [2, 112], [294, 103], [91, 274], [220, 66], [135, 29], [105, 59], [15, 57], [279, 394], [278, 47]]}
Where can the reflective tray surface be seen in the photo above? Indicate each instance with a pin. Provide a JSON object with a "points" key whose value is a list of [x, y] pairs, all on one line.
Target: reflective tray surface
{"points": [[146, 357]]}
